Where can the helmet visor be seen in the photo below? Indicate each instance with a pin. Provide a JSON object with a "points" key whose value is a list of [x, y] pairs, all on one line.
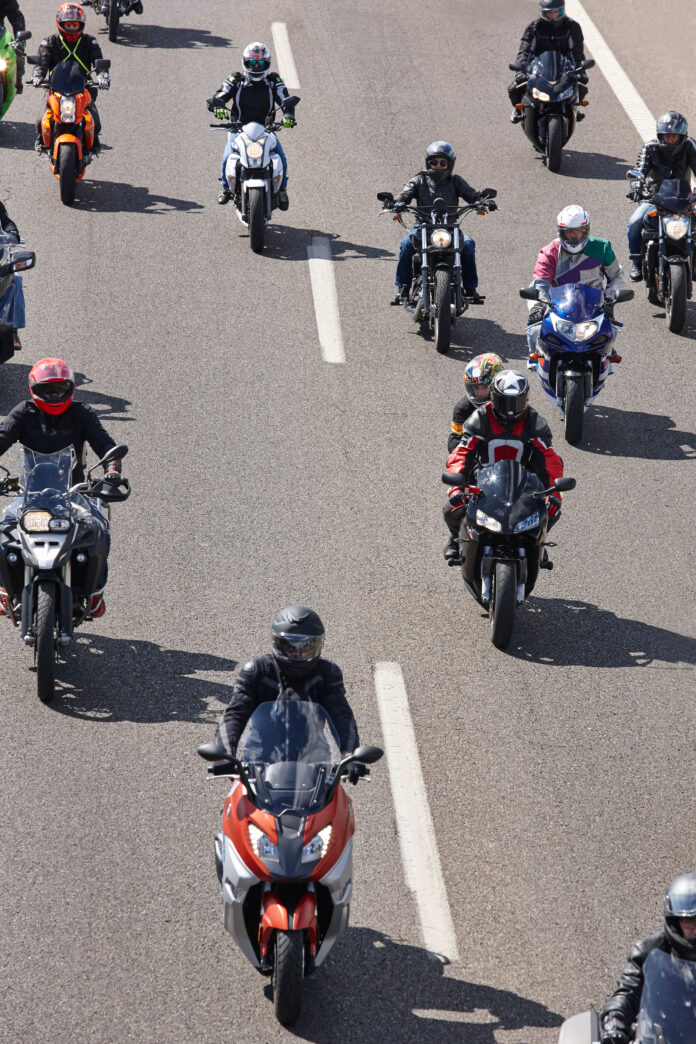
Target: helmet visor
{"points": [[510, 407], [257, 64], [53, 391], [477, 392], [573, 236], [298, 647], [71, 27]]}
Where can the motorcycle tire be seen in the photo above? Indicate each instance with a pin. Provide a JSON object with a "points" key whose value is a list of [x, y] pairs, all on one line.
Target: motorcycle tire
{"points": [[503, 603], [675, 302], [113, 16], [45, 632], [288, 975], [257, 221], [554, 143], [443, 315], [67, 173], [574, 409]]}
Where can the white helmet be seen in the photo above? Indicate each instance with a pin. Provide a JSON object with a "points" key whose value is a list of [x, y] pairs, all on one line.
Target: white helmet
{"points": [[256, 59], [573, 228]]}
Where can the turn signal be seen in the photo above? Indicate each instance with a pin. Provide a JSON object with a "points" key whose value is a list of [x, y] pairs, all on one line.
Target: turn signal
{"points": [[520, 106], [534, 357], [584, 103], [615, 358], [652, 213]]}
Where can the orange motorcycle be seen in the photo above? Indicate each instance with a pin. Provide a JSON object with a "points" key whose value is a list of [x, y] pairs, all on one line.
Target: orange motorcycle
{"points": [[67, 126]]}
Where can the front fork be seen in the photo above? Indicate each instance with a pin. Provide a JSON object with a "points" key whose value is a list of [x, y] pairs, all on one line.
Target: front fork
{"points": [[488, 571], [65, 604]]}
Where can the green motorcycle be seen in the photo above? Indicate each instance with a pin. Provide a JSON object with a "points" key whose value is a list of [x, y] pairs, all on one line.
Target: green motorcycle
{"points": [[11, 53]]}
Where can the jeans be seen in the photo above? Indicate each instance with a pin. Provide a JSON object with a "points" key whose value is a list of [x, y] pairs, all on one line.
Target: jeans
{"points": [[634, 230], [228, 151], [404, 268]]}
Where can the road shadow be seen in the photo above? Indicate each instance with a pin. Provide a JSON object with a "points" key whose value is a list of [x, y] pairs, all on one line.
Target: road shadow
{"points": [[106, 679], [14, 381], [116, 197], [384, 990], [474, 334], [284, 243], [594, 166], [15, 135], [134, 33], [560, 632], [611, 432]]}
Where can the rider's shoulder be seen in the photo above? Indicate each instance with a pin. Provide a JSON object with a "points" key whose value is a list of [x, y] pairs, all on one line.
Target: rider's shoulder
{"points": [[477, 423], [538, 426], [642, 947]]}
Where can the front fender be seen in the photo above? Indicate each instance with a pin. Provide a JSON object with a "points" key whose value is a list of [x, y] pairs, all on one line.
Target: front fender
{"points": [[64, 139]]}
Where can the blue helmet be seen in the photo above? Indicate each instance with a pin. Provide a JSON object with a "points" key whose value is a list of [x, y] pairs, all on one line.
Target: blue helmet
{"points": [[552, 10]]}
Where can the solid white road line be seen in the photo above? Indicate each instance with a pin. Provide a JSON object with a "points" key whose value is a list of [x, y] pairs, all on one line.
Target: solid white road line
{"points": [[325, 300], [630, 99], [419, 853], [283, 56]]}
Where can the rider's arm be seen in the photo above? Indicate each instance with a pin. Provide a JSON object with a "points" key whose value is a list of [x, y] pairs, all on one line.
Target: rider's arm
{"points": [[463, 458], [95, 51], [93, 431], [545, 462], [225, 92], [625, 1000], [577, 42], [244, 700], [11, 427], [337, 707], [280, 93], [7, 223], [544, 275], [460, 414], [526, 44], [690, 149], [613, 273], [409, 192], [464, 189], [46, 60], [14, 16]]}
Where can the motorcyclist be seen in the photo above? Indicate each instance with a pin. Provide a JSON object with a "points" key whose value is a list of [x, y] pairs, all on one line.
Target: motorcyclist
{"points": [[71, 43], [9, 9], [552, 31], [505, 428], [437, 180], [671, 154], [49, 422], [573, 257], [294, 670], [678, 938], [478, 377], [16, 307], [252, 97]]}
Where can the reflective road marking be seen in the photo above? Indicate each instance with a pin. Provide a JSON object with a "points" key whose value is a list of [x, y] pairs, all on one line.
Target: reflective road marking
{"points": [[321, 271], [283, 56]]}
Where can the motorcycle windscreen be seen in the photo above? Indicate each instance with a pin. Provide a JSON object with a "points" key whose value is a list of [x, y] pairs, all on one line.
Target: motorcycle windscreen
{"points": [[67, 78], [48, 473], [576, 301], [668, 1002], [551, 67], [507, 494], [674, 195], [293, 747]]}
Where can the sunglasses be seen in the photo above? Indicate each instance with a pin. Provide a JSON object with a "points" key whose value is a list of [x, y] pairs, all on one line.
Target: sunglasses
{"points": [[252, 63], [438, 163], [71, 26]]}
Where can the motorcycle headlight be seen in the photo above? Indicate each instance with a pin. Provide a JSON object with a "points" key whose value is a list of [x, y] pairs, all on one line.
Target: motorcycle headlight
{"points": [[262, 845], [318, 846], [575, 331], [528, 523], [441, 238], [487, 522], [566, 94], [255, 150], [540, 95], [3, 65], [677, 227], [67, 110], [36, 521], [59, 525]]}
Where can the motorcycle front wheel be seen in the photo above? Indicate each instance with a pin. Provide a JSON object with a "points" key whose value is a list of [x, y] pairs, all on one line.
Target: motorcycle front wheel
{"points": [[443, 315], [67, 173], [574, 409], [503, 603], [288, 975], [554, 143], [45, 632], [675, 301], [257, 220], [114, 12]]}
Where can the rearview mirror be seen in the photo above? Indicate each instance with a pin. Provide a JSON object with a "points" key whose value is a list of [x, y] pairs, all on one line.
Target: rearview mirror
{"points": [[634, 174], [488, 193], [33, 59], [624, 295], [117, 453], [385, 197], [530, 293], [587, 64], [102, 64], [23, 261], [564, 485], [24, 35], [368, 754]]}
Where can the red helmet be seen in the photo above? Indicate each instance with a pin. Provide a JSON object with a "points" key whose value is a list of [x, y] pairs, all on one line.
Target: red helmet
{"points": [[52, 383], [71, 22]]}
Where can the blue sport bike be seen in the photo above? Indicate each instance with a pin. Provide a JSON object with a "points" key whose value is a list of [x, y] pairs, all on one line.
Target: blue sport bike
{"points": [[574, 353]]}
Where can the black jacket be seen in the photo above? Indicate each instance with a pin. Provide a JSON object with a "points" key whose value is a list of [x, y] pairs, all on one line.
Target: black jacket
{"points": [[252, 101], [258, 682], [54, 49], [460, 414], [425, 190], [540, 35], [653, 164], [47, 433], [9, 9], [624, 1002], [6, 222]]}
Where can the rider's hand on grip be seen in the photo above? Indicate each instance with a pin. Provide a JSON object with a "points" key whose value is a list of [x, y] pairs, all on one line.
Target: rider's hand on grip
{"points": [[536, 314], [554, 504], [289, 121], [104, 81], [220, 114], [356, 771]]}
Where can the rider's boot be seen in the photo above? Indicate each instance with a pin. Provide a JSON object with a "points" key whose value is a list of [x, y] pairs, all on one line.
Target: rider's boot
{"points": [[283, 201]]}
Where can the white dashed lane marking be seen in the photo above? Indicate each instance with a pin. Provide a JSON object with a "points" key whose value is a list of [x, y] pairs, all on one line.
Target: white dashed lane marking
{"points": [[321, 270], [283, 56]]}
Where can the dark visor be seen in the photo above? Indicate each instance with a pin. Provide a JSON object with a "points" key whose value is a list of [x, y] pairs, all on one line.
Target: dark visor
{"points": [[54, 391], [298, 646]]}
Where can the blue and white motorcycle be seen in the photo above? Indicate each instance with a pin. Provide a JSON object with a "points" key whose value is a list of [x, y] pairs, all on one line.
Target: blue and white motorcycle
{"points": [[574, 354]]}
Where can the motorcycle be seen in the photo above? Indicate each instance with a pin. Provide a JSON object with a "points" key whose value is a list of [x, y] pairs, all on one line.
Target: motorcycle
{"points": [[502, 538], [668, 253], [254, 173], [67, 127], [666, 1013], [11, 56], [284, 856], [114, 11], [53, 551], [436, 298], [549, 103], [12, 261], [575, 351]]}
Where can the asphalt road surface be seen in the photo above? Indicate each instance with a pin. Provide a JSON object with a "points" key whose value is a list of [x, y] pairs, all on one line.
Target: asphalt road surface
{"points": [[559, 773]]}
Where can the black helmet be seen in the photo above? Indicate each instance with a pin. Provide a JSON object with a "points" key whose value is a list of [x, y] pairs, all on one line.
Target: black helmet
{"points": [[509, 395], [552, 10], [672, 123], [440, 150], [680, 901], [297, 634]]}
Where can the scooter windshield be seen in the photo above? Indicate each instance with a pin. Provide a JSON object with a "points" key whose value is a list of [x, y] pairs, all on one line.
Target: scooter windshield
{"points": [[292, 747], [67, 78], [46, 475], [667, 1005], [674, 195], [507, 494], [576, 301], [551, 68]]}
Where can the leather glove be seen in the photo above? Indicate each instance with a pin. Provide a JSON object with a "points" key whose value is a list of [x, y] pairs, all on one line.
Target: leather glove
{"points": [[553, 504], [221, 114], [536, 314], [491, 205], [289, 121], [399, 206], [582, 77], [37, 79], [356, 770], [104, 81], [614, 1032], [113, 472], [456, 497]]}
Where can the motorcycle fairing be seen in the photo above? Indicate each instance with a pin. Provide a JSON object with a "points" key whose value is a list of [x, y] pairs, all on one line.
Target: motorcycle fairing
{"points": [[551, 73], [575, 303], [8, 76]]}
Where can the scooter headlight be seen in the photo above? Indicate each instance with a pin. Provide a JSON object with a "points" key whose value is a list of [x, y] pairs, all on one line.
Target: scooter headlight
{"points": [[67, 110], [575, 331], [677, 227], [540, 95], [255, 150], [318, 846], [531, 522], [36, 521], [441, 238], [487, 522], [262, 845]]}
